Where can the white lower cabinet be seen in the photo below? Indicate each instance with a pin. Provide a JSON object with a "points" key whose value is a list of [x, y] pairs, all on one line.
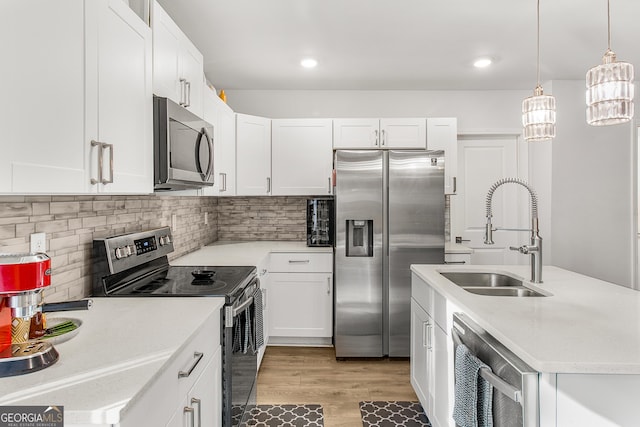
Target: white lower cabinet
{"points": [[202, 406], [429, 361], [300, 301], [188, 388]]}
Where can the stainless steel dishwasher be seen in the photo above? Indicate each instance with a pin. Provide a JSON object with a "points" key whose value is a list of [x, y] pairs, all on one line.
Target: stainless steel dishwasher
{"points": [[515, 384]]}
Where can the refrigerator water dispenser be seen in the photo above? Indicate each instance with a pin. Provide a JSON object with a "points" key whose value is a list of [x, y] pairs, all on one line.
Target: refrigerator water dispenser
{"points": [[359, 238]]}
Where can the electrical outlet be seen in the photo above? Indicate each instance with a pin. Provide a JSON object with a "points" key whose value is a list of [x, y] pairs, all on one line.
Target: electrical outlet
{"points": [[174, 222], [38, 242], [206, 218]]}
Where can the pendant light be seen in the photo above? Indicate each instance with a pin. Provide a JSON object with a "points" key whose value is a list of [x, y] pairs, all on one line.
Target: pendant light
{"points": [[609, 88], [539, 110]]}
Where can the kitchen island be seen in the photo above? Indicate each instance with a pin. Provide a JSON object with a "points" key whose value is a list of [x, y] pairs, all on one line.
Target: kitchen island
{"points": [[118, 369], [583, 338]]}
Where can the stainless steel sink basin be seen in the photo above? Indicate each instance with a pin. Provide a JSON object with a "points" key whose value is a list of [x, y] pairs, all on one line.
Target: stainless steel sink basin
{"points": [[491, 284], [463, 279]]}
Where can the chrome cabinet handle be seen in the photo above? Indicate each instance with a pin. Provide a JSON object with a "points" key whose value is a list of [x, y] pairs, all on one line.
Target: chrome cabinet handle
{"points": [[328, 285], [110, 147], [182, 93], [329, 188], [455, 184], [189, 410], [101, 147], [299, 261], [187, 94], [100, 160], [455, 262], [223, 177], [264, 299], [425, 325], [384, 137], [429, 336], [198, 356], [376, 141], [268, 185], [198, 402]]}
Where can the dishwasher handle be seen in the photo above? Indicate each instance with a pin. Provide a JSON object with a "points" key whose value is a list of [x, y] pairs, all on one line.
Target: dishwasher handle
{"points": [[501, 385]]}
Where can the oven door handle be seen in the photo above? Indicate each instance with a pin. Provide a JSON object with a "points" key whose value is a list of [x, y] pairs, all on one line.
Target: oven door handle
{"points": [[501, 385], [237, 310]]}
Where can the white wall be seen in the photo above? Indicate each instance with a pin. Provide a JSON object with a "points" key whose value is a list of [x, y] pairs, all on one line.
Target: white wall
{"points": [[475, 110], [593, 200]]}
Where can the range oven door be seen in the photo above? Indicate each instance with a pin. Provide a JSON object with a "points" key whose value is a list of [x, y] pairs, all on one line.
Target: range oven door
{"points": [[240, 358]]}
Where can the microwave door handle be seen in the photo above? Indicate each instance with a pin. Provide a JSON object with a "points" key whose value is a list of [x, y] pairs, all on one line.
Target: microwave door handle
{"points": [[197, 155], [210, 165]]}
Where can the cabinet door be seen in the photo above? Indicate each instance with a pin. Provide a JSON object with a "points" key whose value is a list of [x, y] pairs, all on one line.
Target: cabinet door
{"points": [[226, 144], [356, 133], [253, 150], [166, 55], [419, 358], [403, 133], [302, 157], [123, 106], [442, 134], [191, 70], [440, 414], [42, 116], [300, 304], [205, 396]]}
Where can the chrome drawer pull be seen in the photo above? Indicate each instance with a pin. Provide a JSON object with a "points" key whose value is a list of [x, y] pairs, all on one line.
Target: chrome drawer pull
{"points": [[299, 261], [198, 356]]}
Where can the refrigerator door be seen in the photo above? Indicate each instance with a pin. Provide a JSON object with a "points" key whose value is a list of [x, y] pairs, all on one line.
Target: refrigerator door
{"points": [[416, 233], [358, 254]]}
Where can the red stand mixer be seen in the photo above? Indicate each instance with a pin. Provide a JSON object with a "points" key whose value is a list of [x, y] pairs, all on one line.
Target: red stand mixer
{"points": [[22, 279]]}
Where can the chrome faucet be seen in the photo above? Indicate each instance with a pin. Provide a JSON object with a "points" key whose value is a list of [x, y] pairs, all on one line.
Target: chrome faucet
{"points": [[535, 248]]}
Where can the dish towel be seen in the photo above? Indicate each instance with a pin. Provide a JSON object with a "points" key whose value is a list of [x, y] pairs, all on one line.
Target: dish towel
{"points": [[473, 394], [237, 335], [258, 328], [248, 341]]}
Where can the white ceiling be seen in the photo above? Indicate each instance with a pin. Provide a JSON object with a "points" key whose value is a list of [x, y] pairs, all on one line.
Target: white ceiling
{"points": [[402, 44]]}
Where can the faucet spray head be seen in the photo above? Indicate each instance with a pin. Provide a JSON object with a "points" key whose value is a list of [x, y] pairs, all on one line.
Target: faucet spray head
{"points": [[488, 232]]}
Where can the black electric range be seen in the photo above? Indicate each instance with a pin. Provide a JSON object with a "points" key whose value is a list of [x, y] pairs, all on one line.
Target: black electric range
{"points": [[136, 265]]}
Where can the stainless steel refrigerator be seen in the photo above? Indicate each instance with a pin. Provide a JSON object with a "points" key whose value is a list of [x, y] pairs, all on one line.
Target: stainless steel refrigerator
{"points": [[389, 215]]}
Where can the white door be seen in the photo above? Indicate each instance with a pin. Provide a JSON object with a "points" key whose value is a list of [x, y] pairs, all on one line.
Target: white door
{"points": [[191, 69], [253, 151], [301, 157], [124, 100], [166, 55], [483, 160]]}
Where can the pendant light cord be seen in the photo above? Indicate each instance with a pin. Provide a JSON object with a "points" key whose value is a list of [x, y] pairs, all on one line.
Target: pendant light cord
{"points": [[608, 26], [538, 58]]}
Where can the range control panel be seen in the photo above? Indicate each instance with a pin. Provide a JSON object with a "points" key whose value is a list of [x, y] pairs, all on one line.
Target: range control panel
{"points": [[130, 250]]}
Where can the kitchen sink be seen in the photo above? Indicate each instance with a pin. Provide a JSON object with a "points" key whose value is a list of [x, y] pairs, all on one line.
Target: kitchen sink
{"points": [[491, 284]]}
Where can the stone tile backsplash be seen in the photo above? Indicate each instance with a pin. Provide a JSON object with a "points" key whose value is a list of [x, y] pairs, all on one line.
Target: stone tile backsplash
{"points": [[72, 222]]}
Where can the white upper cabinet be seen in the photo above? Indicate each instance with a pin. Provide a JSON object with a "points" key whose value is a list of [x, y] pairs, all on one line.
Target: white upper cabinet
{"points": [[379, 133], [96, 87], [177, 64], [301, 157], [223, 119], [253, 151], [442, 134]]}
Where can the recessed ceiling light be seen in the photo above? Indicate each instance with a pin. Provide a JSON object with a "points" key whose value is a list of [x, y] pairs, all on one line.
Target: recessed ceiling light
{"points": [[482, 62], [308, 63]]}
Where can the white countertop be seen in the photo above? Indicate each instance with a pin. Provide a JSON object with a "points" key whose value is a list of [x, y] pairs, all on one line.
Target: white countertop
{"points": [[586, 326], [243, 253], [120, 346]]}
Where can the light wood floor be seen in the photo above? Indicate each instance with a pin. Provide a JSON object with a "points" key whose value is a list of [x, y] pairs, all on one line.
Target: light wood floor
{"points": [[312, 375]]}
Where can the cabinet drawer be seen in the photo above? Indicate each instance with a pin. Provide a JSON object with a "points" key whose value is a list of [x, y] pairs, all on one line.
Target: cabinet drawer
{"points": [[430, 300], [301, 262]]}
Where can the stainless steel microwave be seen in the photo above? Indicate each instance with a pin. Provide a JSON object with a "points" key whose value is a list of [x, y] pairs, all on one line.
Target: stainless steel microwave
{"points": [[182, 147]]}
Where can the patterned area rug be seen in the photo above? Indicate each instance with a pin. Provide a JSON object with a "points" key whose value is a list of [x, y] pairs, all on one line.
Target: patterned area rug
{"points": [[287, 416], [392, 414]]}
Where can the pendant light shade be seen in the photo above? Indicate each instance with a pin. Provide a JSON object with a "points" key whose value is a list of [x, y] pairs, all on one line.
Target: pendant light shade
{"points": [[539, 110], [609, 88]]}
